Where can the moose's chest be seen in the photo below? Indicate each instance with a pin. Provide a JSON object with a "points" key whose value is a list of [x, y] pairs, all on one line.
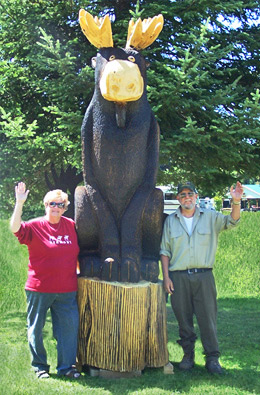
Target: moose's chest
{"points": [[119, 155], [121, 150]]}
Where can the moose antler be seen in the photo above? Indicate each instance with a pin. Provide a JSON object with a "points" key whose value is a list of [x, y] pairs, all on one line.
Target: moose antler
{"points": [[143, 33], [97, 30]]}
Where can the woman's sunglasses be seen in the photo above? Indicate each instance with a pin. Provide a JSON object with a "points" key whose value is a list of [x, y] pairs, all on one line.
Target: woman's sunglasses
{"points": [[54, 204]]}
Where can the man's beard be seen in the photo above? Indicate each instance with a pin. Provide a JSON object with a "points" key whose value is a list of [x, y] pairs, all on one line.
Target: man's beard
{"points": [[188, 206]]}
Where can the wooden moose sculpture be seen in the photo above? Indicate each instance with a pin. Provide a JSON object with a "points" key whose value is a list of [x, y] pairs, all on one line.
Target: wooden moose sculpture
{"points": [[119, 212]]}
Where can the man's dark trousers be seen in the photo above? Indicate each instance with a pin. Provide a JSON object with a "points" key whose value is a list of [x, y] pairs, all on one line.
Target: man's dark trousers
{"points": [[196, 294]]}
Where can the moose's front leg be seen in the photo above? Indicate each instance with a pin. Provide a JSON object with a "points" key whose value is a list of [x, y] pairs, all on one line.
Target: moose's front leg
{"points": [[131, 236], [140, 236], [97, 234], [152, 224], [87, 230]]}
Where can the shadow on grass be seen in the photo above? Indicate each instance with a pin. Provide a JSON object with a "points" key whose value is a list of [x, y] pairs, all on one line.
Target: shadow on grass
{"points": [[154, 381], [239, 338]]}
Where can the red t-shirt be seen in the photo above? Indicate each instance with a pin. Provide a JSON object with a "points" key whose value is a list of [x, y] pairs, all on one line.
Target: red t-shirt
{"points": [[53, 251]]}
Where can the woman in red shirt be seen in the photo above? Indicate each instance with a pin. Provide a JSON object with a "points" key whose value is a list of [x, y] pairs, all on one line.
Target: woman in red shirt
{"points": [[52, 279]]}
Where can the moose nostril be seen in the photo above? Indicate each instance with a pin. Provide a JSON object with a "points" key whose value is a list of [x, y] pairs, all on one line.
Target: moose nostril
{"points": [[115, 88], [130, 87]]}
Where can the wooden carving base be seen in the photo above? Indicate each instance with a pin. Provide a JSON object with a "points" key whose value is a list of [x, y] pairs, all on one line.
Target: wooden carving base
{"points": [[122, 325]]}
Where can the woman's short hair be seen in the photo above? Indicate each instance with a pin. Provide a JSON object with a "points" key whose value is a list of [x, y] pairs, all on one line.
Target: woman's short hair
{"points": [[56, 194]]}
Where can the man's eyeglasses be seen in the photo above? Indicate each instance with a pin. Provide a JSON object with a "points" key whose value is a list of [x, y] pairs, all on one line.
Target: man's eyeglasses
{"points": [[54, 204], [188, 194]]}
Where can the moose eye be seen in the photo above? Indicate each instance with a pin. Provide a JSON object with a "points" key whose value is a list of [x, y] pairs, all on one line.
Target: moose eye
{"points": [[112, 57], [131, 58]]}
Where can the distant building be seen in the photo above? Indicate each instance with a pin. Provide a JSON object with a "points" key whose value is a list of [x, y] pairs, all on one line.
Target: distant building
{"points": [[250, 200]]}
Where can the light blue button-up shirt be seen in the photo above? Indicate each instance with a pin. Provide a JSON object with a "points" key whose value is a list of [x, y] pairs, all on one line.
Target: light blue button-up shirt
{"points": [[199, 249]]}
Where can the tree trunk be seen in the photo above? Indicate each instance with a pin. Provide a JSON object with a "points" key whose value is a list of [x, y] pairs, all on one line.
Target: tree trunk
{"points": [[122, 325]]}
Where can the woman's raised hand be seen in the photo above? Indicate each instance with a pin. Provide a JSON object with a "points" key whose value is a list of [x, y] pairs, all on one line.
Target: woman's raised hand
{"points": [[21, 193]]}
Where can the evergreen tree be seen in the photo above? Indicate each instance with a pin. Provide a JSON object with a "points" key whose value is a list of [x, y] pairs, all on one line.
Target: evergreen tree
{"points": [[202, 84]]}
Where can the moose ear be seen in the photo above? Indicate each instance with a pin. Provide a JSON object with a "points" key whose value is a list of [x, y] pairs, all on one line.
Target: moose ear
{"points": [[93, 62]]}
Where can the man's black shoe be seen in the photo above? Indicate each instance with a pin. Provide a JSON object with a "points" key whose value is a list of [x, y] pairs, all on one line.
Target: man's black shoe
{"points": [[187, 361], [214, 367]]}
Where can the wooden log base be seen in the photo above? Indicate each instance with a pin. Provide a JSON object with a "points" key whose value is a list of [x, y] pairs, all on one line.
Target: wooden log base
{"points": [[123, 326]]}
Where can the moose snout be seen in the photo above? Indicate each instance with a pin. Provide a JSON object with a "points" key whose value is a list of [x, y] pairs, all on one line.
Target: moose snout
{"points": [[121, 81]]}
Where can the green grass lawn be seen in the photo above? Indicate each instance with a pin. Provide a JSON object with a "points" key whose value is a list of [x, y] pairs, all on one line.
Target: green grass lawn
{"points": [[237, 272]]}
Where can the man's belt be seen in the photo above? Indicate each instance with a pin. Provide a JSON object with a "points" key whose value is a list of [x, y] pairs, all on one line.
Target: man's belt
{"points": [[193, 271]]}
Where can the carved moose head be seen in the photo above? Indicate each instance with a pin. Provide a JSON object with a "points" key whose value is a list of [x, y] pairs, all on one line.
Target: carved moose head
{"points": [[121, 80]]}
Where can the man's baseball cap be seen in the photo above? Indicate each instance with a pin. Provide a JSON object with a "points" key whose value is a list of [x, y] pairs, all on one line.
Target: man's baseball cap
{"points": [[186, 185]]}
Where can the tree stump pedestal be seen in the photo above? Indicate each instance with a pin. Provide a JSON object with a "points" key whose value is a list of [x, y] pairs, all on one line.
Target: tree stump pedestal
{"points": [[123, 326]]}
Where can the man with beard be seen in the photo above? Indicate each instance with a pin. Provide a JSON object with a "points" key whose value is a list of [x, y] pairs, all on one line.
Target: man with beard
{"points": [[188, 250]]}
